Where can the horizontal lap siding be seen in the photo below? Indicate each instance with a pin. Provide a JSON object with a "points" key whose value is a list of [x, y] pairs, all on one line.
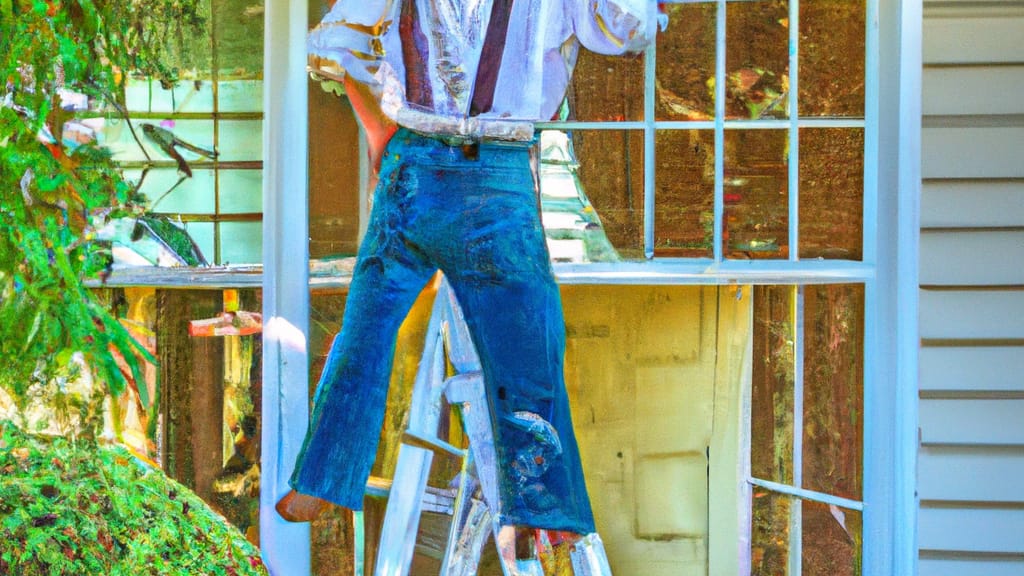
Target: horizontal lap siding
{"points": [[972, 369], [971, 566], [981, 203], [973, 422], [971, 520], [974, 258], [980, 530], [987, 89], [970, 474], [972, 151], [972, 314]]}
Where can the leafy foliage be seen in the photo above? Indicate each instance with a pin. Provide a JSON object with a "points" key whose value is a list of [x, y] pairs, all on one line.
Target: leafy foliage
{"points": [[50, 197], [78, 508]]}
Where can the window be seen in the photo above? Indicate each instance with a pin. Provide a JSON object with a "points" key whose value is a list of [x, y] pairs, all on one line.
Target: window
{"points": [[216, 107], [734, 151], [764, 198]]}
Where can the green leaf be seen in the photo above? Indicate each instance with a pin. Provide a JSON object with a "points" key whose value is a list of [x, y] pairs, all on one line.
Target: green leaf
{"points": [[35, 328]]}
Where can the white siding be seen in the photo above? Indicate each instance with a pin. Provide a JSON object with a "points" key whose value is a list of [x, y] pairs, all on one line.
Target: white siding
{"points": [[976, 530], [972, 422], [971, 474], [975, 90], [974, 369], [971, 567], [972, 296]]}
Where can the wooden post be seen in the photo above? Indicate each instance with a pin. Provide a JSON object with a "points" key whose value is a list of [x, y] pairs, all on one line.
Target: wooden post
{"points": [[192, 396]]}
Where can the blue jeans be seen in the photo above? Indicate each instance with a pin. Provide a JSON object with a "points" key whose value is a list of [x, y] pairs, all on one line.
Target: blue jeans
{"points": [[474, 215]]}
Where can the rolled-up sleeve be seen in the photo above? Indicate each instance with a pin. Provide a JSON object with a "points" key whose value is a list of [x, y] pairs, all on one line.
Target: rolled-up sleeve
{"points": [[351, 35], [613, 26]]}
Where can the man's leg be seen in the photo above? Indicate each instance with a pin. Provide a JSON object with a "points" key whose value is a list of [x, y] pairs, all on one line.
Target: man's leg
{"points": [[349, 405], [498, 265]]}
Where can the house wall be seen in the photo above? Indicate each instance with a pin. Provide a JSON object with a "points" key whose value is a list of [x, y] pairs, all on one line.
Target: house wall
{"points": [[971, 517]]}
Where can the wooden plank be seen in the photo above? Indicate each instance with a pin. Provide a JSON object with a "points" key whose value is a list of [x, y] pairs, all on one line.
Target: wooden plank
{"points": [[970, 567], [972, 314], [972, 203], [986, 39], [962, 422], [972, 152], [971, 529], [188, 374], [970, 473], [207, 414], [972, 258], [972, 90], [999, 368]]}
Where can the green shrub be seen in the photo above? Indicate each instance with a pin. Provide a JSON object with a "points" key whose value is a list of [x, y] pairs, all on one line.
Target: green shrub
{"points": [[77, 508]]}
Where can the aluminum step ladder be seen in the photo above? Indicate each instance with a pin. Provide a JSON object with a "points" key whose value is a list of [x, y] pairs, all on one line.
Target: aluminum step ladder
{"points": [[472, 498]]}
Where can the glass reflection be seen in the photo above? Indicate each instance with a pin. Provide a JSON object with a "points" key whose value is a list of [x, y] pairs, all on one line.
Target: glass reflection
{"points": [[769, 537], [685, 196], [238, 38], [833, 389], [611, 172], [685, 68], [832, 57], [831, 540], [607, 88], [756, 196], [831, 193], [771, 418], [757, 59]]}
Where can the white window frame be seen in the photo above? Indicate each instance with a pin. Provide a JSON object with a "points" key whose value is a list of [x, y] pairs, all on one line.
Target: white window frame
{"points": [[888, 271]]}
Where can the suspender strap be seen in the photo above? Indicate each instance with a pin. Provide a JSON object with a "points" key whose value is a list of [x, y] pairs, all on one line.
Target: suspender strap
{"points": [[490, 57]]}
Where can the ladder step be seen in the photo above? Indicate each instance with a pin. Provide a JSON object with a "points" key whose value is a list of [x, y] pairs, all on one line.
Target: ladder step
{"points": [[435, 445], [438, 500]]}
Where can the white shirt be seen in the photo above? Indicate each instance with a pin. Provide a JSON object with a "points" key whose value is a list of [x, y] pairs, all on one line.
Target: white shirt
{"points": [[366, 38]]}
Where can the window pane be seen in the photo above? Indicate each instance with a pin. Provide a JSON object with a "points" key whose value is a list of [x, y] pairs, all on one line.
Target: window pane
{"points": [[831, 540], [685, 67], [757, 59], [607, 88], [833, 389], [118, 137], [832, 57], [611, 173], [573, 228], [191, 196], [194, 57], [756, 194], [241, 242], [831, 193], [240, 96], [238, 38], [145, 95], [771, 418], [241, 191], [240, 140], [202, 235], [235, 494], [335, 208], [769, 536], [685, 196]]}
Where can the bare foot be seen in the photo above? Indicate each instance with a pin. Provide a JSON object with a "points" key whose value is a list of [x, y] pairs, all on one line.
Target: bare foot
{"points": [[296, 507]]}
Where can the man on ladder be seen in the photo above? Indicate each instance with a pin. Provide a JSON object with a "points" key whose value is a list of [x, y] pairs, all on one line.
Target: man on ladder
{"points": [[447, 92]]}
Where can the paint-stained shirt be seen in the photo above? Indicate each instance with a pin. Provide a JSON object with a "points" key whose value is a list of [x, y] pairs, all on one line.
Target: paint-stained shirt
{"points": [[475, 68]]}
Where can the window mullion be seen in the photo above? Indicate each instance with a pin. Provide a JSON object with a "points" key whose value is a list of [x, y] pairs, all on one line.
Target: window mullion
{"points": [[719, 129], [650, 71], [796, 512], [794, 130]]}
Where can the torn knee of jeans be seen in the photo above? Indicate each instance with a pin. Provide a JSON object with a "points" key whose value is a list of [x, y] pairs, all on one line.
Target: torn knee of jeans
{"points": [[535, 450]]}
